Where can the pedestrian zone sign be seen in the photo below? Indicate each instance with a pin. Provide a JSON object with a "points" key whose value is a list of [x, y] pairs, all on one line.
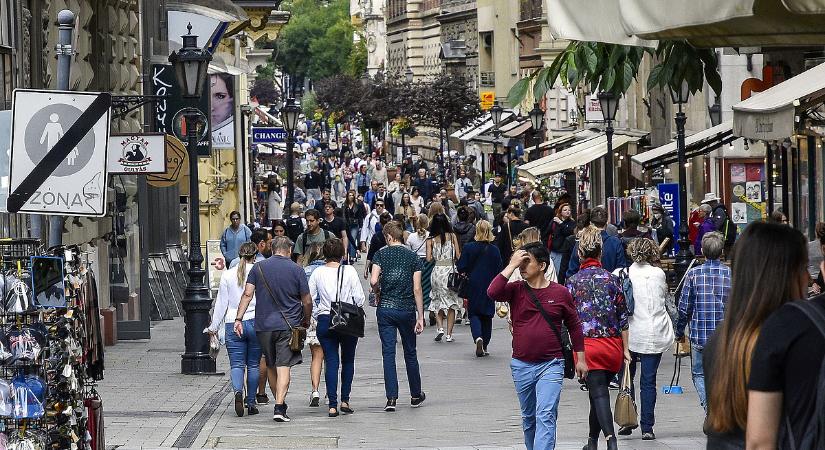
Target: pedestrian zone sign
{"points": [[58, 152], [268, 135]]}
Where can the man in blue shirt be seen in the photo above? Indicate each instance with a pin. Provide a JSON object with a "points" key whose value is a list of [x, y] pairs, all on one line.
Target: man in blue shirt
{"points": [[233, 236], [613, 256], [704, 296]]}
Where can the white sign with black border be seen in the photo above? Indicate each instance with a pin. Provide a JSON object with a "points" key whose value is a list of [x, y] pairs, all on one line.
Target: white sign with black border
{"points": [[58, 152], [137, 154]]}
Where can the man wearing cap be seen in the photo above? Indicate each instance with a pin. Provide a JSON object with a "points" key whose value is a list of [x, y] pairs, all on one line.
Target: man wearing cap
{"points": [[721, 220]]}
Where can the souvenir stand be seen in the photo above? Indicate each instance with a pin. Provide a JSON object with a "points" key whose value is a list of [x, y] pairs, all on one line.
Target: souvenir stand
{"points": [[51, 349], [638, 200]]}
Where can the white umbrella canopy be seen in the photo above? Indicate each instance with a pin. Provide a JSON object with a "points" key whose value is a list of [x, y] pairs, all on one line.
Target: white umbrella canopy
{"points": [[704, 23]]}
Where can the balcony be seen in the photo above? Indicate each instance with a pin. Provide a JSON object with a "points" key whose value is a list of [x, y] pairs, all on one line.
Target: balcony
{"points": [[530, 9], [487, 78]]}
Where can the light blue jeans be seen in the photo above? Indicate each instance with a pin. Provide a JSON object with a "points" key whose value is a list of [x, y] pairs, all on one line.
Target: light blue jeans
{"points": [[698, 372], [538, 386], [556, 257], [244, 357]]}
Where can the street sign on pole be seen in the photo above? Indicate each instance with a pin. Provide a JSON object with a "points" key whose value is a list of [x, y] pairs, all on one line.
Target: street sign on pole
{"points": [[58, 152], [268, 135], [137, 154]]}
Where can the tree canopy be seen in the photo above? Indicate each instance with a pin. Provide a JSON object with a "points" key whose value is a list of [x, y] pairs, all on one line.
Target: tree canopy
{"points": [[264, 91], [318, 40]]}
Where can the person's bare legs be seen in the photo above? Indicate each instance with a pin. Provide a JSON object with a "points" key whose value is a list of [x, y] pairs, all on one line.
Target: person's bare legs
{"points": [[439, 318], [263, 377], [450, 321], [281, 385], [317, 353]]}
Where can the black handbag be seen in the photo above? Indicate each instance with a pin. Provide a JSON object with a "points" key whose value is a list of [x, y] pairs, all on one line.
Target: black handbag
{"points": [[346, 318], [458, 282], [564, 338]]}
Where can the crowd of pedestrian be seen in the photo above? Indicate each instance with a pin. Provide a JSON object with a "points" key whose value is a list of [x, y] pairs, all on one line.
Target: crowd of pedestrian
{"points": [[568, 282]]}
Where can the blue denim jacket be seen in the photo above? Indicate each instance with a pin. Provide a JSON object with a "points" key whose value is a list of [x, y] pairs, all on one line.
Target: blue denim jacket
{"points": [[613, 256]]}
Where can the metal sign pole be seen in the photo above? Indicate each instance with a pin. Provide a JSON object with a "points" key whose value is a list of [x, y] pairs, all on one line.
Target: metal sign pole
{"points": [[64, 51]]}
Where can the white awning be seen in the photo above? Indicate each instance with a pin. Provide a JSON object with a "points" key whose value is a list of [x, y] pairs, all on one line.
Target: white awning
{"points": [[695, 144], [770, 114], [572, 157], [563, 140], [705, 23], [482, 127]]}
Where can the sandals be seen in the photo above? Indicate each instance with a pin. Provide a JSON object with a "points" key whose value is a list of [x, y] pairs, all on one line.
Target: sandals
{"points": [[346, 409], [333, 412]]}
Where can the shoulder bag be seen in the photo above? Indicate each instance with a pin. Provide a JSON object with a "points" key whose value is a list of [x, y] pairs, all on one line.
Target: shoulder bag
{"points": [[298, 334], [345, 318], [457, 281], [564, 339], [625, 413]]}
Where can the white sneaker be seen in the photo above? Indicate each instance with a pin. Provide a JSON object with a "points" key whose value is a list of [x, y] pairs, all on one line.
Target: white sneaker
{"points": [[439, 334], [314, 399], [449, 338]]}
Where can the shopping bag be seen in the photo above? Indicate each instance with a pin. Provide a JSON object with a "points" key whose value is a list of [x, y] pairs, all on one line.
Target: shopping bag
{"points": [[625, 414]]}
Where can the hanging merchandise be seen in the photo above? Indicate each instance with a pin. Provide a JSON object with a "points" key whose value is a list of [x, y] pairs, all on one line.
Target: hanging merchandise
{"points": [[51, 351], [616, 206]]}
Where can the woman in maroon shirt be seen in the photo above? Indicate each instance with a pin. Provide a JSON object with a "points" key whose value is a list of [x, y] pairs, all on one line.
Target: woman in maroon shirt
{"points": [[538, 364]]}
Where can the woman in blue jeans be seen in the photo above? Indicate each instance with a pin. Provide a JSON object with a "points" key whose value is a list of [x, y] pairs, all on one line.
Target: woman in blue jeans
{"points": [[538, 363], [244, 351], [334, 282], [396, 273]]}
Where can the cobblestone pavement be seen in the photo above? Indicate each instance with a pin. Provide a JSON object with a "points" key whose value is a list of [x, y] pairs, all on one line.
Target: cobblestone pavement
{"points": [[471, 403]]}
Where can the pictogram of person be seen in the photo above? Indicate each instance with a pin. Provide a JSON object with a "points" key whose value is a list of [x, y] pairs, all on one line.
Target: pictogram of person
{"points": [[52, 133]]}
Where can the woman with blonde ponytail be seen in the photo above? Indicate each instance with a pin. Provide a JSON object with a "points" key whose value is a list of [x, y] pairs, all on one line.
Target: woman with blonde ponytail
{"points": [[417, 242], [244, 351]]}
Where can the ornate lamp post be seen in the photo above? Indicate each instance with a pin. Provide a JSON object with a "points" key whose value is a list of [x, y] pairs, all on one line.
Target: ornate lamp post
{"points": [[715, 113], [537, 120], [680, 96], [496, 112], [289, 118], [610, 105], [190, 64]]}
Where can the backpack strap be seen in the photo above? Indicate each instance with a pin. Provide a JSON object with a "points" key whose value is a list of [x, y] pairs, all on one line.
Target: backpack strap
{"points": [[817, 317]]}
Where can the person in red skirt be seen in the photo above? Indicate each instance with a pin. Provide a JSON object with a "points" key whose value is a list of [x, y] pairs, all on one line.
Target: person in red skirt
{"points": [[602, 310]]}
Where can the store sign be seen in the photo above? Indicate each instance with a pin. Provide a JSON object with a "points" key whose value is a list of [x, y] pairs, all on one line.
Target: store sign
{"points": [[669, 199], [593, 109], [268, 135], [217, 265], [488, 98], [177, 164], [169, 112], [58, 152], [137, 154]]}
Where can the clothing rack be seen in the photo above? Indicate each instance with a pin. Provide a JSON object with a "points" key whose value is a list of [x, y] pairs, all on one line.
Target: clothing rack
{"points": [[616, 206]]}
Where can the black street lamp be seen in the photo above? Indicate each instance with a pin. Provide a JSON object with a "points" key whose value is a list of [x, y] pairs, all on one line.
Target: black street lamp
{"points": [[609, 103], [190, 64], [289, 118], [680, 96], [537, 121], [496, 112], [409, 75], [715, 113]]}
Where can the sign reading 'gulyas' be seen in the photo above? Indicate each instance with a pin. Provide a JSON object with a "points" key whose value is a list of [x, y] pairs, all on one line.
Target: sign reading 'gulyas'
{"points": [[137, 154]]}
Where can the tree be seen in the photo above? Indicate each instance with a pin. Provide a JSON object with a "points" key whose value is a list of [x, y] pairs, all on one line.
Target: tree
{"points": [[264, 91], [357, 60], [612, 67], [309, 104], [338, 96], [317, 41]]}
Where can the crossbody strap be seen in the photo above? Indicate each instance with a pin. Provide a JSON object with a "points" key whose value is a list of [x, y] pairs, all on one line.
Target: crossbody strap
{"points": [[543, 312], [261, 272]]}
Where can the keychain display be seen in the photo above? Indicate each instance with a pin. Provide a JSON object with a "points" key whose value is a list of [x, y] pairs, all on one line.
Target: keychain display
{"points": [[51, 350]]}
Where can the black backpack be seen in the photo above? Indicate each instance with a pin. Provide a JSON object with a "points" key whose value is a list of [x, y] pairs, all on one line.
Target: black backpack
{"points": [[727, 227], [294, 228]]}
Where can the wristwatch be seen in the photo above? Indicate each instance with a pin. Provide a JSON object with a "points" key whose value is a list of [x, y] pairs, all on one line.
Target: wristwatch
{"points": [[238, 320]]}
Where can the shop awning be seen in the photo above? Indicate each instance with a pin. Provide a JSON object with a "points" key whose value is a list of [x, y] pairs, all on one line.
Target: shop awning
{"points": [[563, 141], [519, 129], [482, 127], [572, 157], [770, 114], [705, 23], [222, 10], [696, 144]]}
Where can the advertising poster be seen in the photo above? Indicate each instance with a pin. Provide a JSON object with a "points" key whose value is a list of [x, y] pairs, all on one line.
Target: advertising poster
{"points": [[169, 112], [737, 173], [669, 199], [216, 265], [739, 212], [753, 191], [222, 104]]}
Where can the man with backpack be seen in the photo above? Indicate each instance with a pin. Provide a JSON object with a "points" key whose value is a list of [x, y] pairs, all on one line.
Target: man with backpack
{"points": [[721, 220], [313, 234], [295, 224]]}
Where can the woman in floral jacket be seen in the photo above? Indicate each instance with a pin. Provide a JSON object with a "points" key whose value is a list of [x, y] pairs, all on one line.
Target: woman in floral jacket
{"points": [[598, 297]]}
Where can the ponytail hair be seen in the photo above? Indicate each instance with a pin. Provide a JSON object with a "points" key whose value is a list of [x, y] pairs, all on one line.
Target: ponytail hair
{"points": [[246, 254]]}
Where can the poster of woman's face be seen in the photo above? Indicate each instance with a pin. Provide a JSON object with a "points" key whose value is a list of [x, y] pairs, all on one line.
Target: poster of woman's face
{"points": [[222, 99]]}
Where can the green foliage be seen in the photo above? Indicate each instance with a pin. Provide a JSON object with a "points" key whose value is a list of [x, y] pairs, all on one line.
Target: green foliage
{"points": [[442, 102], [264, 91], [267, 71], [612, 68], [309, 104], [357, 59], [317, 41], [681, 62]]}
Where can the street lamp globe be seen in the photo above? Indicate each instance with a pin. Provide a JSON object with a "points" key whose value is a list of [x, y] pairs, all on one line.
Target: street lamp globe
{"points": [[190, 64], [289, 115], [536, 117], [609, 103], [496, 112], [679, 95], [409, 75]]}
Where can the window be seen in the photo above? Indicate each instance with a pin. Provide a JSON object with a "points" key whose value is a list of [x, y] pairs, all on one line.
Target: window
{"points": [[6, 78]]}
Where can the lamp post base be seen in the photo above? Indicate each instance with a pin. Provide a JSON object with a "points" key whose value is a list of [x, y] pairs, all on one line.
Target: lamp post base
{"points": [[196, 305]]}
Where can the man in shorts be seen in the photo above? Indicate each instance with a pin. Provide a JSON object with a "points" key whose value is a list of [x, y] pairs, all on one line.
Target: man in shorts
{"points": [[282, 302]]}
